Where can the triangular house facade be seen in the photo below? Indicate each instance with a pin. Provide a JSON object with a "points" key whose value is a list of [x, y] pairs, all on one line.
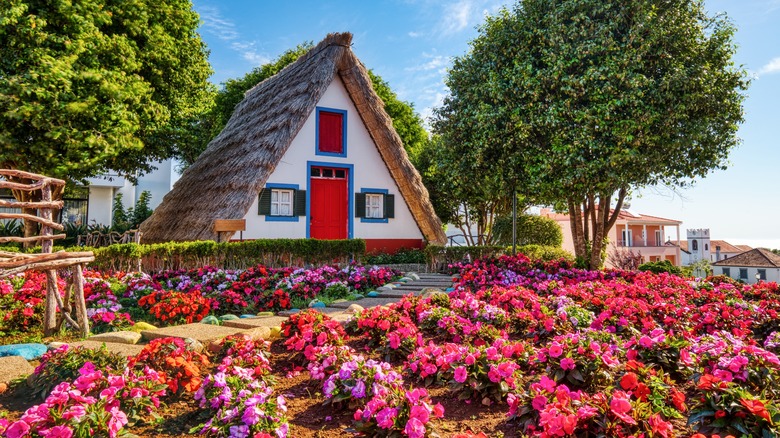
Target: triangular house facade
{"points": [[308, 153]]}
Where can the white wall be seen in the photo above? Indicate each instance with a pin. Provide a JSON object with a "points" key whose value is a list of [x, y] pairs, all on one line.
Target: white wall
{"points": [[370, 171], [772, 274], [99, 198]]}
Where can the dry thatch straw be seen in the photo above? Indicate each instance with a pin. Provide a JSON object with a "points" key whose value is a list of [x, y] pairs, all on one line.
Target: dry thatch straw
{"points": [[224, 181]]}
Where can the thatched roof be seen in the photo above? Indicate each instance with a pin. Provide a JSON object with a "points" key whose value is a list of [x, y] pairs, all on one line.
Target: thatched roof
{"points": [[225, 180]]}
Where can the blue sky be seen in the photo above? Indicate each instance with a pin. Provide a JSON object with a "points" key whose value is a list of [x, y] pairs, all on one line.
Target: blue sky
{"points": [[410, 43]]}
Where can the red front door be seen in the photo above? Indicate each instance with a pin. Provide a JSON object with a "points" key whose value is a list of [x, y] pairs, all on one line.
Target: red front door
{"points": [[329, 213]]}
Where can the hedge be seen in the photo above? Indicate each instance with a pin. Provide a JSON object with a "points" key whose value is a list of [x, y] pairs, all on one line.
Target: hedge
{"points": [[440, 256], [227, 255]]}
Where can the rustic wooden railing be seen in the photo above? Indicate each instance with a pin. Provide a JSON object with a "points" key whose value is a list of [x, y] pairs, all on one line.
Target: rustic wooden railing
{"points": [[12, 263]]}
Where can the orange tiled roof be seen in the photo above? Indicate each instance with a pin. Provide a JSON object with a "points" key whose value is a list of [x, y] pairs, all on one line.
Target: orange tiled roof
{"points": [[623, 215]]}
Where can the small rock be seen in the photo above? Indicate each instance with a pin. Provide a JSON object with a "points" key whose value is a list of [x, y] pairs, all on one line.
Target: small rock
{"points": [[265, 333], [357, 297], [413, 276], [194, 345], [372, 294], [450, 289], [405, 279], [27, 351], [276, 332], [142, 327], [389, 285], [246, 315], [340, 300], [354, 308], [122, 337], [430, 291], [211, 319], [3, 387], [228, 317], [316, 303], [13, 367], [55, 345], [384, 289], [265, 314]]}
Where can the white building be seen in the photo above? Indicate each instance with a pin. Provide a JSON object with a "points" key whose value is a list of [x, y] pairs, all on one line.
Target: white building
{"points": [[751, 266]]}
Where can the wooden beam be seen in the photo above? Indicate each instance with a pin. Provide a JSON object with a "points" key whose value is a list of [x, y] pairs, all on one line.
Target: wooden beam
{"points": [[54, 264], [30, 217], [39, 258], [31, 239], [53, 204], [32, 176]]}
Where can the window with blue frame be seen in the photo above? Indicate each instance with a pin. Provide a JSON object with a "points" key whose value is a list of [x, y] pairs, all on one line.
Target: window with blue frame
{"points": [[331, 136]]}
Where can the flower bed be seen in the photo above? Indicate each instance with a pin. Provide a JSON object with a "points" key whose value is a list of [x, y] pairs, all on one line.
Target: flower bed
{"points": [[527, 349], [116, 301]]}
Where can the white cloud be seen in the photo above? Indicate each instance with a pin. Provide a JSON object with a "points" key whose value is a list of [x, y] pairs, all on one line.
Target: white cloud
{"points": [[457, 16], [249, 52], [435, 62], [215, 24], [225, 29], [414, 34], [772, 66]]}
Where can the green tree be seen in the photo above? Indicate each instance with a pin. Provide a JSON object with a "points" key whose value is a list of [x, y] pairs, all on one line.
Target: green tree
{"points": [[92, 86], [578, 102], [464, 189], [119, 217]]}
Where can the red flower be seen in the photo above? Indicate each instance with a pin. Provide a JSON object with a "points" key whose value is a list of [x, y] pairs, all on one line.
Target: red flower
{"points": [[756, 407], [629, 381]]}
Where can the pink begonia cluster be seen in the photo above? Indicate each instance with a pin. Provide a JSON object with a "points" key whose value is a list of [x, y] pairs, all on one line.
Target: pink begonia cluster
{"points": [[95, 403]]}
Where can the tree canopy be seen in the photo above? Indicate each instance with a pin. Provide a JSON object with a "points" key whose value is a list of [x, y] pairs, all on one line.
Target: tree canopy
{"points": [[94, 85], [577, 102]]}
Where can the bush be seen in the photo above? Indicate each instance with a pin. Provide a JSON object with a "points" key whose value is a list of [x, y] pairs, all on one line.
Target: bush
{"points": [[438, 256], [545, 253], [531, 230], [228, 255], [404, 256], [659, 267]]}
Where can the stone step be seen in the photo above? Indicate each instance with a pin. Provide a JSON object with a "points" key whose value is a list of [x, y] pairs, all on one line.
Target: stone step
{"points": [[112, 347], [204, 333], [366, 302], [423, 286], [250, 323], [397, 293]]}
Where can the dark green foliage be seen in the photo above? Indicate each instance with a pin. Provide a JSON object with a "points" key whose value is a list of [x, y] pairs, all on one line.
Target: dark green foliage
{"points": [[228, 255], [141, 211], [438, 256], [130, 218], [11, 228], [119, 216], [531, 230], [91, 86], [659, 267], [404, 256], [577, 102]]}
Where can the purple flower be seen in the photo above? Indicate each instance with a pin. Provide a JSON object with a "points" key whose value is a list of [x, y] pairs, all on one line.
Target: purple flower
{"points": [[415, 428], [386, 417], [359, 391]]}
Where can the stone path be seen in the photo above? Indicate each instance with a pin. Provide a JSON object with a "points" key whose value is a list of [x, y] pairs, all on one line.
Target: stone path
{"points": [[205, 333]]}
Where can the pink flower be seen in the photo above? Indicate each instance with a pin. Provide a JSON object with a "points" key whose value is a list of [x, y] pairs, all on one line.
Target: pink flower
{"points": [[539, 402], [660, 426], [555, 349], [620, 406], [386, 417], [414, 428], [61, 432], [18, 430], [547, 384], [568, 364], [460, 374]]}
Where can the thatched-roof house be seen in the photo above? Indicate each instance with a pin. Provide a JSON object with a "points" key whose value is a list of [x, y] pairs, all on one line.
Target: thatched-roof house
{"points": [[309, 152]]}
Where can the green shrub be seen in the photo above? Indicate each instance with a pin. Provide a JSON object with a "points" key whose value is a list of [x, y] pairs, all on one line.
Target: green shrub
{"points": [[545, 253], [531, 230], [404, 256], [438, 256], [659, 267], [227, 255]]}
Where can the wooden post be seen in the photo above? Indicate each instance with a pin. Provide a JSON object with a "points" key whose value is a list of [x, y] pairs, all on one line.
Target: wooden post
{"points": [[50, 314], [81, 304]]}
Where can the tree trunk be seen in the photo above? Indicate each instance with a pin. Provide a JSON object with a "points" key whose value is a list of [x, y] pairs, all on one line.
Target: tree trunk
{"points": [[591, 221]]}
